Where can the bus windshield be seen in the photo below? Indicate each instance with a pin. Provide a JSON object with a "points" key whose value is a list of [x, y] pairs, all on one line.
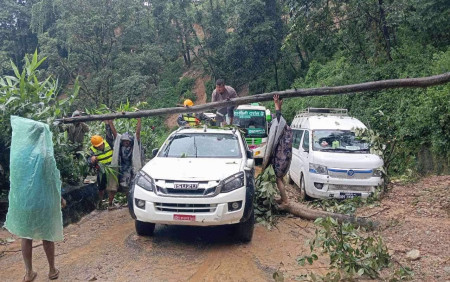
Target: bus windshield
{"points": [[253, 121]]}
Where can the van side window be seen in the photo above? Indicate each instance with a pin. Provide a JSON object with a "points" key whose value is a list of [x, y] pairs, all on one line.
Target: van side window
{"points": [[297, 138], [305, 144]]}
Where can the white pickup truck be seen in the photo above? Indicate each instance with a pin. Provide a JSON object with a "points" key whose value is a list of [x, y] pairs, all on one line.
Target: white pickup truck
{"points": [[199, 177]]}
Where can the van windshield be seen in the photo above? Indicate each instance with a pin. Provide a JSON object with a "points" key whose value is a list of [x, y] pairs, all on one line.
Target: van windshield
{"points": [[197, 145], [339, 141]]}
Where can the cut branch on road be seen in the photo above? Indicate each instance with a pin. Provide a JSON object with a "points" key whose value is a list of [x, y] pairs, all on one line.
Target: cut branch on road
{"points": [[306, 212]]}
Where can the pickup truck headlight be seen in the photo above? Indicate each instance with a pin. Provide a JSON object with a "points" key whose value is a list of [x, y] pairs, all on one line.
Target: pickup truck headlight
{"points": [[145, 181], [319, 169], [232, 183]]}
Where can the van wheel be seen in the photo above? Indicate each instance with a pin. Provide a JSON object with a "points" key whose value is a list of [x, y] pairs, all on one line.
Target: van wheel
{"points": [[244, 230], [144, 228], [303, 195]]}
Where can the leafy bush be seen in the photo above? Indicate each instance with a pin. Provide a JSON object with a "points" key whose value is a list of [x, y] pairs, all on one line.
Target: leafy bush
{"points": [[151, 133], [29, 96], [209, 88], [349, 252], [265, 192], [73, 167], [347, 206], [184, 87]]}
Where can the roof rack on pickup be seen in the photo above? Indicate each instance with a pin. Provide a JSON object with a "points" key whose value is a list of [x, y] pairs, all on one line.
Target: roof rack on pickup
{"points": [[322, 112]]}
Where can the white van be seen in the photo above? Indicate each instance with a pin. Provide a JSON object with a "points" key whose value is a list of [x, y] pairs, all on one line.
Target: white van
{"points": [[327, 160]]}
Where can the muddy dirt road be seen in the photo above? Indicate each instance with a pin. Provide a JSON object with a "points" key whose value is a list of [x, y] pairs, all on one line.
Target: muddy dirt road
{"points": [[103, 246]]}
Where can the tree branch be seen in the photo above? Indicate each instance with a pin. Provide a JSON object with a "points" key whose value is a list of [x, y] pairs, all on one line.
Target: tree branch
{"points": [[323, 91]]}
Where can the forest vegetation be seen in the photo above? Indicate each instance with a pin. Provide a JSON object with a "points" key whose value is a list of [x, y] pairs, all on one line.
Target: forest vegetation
{"points": [[105, 55]]}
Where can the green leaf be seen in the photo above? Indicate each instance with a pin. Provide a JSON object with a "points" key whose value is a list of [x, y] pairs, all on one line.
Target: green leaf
{"points": [[11, 99], [16, 70], [361, 272], [40, 62]]}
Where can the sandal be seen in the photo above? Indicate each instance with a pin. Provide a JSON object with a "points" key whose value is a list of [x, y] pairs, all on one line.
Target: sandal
{"points": [[54, 275], [33, 276]]}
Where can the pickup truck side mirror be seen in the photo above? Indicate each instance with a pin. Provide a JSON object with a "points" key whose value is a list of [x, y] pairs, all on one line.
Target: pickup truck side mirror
{"points": [[155, 152], [249, 154]]}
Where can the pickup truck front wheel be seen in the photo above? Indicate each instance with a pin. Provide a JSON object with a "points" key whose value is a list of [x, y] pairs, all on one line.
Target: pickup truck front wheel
{"points": [[144, 228], [244, 229]]}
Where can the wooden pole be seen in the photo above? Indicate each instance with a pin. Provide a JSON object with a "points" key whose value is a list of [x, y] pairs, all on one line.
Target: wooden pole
{"points": [[323, 91]]}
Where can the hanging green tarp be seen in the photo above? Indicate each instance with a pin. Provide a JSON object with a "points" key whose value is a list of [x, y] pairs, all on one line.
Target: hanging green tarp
{"points": [[35, 195]]}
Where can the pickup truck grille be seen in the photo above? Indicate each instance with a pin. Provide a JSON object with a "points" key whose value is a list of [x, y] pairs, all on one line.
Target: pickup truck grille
{"points": [[203, 189], [194, 208]]}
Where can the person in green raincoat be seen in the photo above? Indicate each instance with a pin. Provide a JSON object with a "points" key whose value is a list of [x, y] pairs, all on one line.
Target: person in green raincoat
{"points": [[35, 201]]}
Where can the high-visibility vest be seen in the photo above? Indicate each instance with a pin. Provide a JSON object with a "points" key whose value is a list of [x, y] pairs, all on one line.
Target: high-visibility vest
{"points": [[105, 156], [191, 119]]}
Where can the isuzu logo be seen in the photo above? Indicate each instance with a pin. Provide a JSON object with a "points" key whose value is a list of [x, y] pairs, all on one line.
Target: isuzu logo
{"points": [[186, 186], [350, 172]]}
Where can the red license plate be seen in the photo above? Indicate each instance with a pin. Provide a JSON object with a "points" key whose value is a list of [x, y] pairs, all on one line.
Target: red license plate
{"points": [[184, 217]]}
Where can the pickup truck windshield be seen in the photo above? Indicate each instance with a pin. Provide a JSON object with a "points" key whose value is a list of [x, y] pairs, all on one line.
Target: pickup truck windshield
{"points": [[338, 141], [195, 145]]}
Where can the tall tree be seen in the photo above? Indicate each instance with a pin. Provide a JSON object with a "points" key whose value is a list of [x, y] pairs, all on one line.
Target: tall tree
{"points": [[107, 44], [15, 34]]}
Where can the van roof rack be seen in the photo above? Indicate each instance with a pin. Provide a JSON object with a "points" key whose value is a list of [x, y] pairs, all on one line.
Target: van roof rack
{"points": [[322, 112]]}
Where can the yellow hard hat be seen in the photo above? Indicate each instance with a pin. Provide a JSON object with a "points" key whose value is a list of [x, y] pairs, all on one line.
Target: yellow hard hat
{"points": [[96, 140], [188, 103]]}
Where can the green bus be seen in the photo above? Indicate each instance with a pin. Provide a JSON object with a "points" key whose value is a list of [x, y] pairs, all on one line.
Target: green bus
{"points": [[254, 120]]}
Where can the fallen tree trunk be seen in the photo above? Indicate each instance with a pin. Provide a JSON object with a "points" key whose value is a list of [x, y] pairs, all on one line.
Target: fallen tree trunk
{"points": [[323, 91], [305, 212]]}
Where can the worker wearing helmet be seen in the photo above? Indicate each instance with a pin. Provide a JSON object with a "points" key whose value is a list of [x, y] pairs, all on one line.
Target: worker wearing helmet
{"points": [[101, 152], [191, 119]]}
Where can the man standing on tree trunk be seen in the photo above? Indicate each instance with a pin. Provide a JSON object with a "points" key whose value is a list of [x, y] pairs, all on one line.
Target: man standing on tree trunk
{"points": [[224, 93]]}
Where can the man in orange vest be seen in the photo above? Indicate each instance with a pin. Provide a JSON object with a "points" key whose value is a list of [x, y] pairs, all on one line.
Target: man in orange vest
{"points": [[101, 153]]}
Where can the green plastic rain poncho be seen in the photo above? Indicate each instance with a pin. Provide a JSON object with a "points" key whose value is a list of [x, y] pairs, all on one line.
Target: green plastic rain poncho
{"points": [[35, 195]]}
